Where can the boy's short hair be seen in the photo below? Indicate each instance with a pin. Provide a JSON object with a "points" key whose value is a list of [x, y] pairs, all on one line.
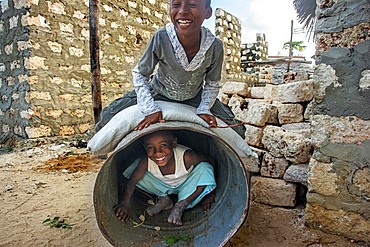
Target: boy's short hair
{"points": [[167, 133], [208, 3]]}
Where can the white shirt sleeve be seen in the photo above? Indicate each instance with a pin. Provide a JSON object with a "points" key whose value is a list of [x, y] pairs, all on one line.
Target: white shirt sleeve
{"points": [[208, 98], [145, 100]]}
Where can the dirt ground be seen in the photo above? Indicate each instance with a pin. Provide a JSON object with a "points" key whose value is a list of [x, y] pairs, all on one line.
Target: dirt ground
{"points": [[48, 178]]}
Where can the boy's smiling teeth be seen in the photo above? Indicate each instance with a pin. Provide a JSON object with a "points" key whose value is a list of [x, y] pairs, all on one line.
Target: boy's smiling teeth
{"points": [[160, 159], [184, 22]]}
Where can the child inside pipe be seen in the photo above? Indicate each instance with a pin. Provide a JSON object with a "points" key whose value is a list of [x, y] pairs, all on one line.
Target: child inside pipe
{"points": [[169, 168]]}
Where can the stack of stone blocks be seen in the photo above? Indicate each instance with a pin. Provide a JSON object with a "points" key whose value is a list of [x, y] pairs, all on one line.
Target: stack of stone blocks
{"points": [[45, 62], [251, 53], [228, 30], [276, 118], [301, 70]]}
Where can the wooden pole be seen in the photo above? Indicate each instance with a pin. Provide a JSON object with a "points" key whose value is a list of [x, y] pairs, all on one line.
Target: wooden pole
{"points": [[290, 45], [94, 59]]}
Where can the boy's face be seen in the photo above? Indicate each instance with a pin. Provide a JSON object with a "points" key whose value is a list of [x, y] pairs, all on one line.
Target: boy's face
{"points": [[159, 147], [188, 15]]}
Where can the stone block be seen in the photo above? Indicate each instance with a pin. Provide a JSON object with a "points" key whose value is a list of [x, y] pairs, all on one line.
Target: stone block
{"points": [[273, 167], [236, 105], [275, 192], [251, 164], [300, 91], [35, 132], [54, 113], [272, 140], [339, 129], [361, 182], [308, 112], [322, 178], [292, 146], [4, 6], [83, 128], [324, 77], [66, 131], [56, 8], [257, 92], [271, 92], [239, 88], [290, 113], [364, 82], [295, 76], [253, 135], [37, 62], [295, 92], [303, 128], [40, 95], [260, 114], [297, 174]]}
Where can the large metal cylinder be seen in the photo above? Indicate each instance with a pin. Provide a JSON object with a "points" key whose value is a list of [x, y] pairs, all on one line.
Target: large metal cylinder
{"points": [[213, 228]]}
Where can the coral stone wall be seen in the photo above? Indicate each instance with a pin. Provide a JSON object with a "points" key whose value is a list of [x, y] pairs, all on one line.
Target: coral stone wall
{"points": [[45, 63], [14, 63], [276, 118], [228, 29], [339, 170], [256, 52]]}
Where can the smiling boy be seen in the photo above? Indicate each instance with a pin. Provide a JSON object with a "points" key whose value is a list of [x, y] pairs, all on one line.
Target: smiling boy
{"points": [[169, 168], [189, 60], [182, 63]]}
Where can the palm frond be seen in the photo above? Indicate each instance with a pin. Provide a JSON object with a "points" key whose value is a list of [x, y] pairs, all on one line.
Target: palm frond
{"points": [[306, 14]]}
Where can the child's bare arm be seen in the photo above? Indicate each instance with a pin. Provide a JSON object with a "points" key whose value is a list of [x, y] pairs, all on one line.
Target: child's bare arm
{"points": [[193, 158], [122, 209]]}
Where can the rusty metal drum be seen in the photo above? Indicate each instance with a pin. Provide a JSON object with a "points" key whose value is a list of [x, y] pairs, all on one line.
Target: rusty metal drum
{"points": [[213, 228]]}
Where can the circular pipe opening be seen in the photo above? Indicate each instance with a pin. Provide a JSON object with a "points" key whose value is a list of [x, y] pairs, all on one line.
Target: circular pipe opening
{"points": [[213, 228]]}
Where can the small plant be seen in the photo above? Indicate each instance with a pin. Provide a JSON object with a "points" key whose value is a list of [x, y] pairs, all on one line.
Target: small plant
{"points": [[296, 46], [57, 223], [174, 239]]}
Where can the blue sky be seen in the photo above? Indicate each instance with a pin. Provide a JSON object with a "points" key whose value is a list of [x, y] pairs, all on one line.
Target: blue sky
{"points": [[271, 17]]}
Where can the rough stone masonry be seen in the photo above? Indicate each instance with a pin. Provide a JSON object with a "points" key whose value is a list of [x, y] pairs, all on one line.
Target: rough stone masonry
{"points": [[338, 199], [44, 61]]}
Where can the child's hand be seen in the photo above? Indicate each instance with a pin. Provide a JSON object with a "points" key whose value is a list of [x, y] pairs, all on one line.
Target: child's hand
{"points": [[150, 119], [210, 119], [207, 201], [122, 212]]}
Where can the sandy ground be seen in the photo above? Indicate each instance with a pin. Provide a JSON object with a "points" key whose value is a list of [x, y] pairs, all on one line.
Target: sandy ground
{"points": [[55, 178]]}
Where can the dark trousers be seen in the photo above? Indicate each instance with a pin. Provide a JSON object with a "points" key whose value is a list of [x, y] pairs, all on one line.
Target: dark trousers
{"points": [[219, 110]]}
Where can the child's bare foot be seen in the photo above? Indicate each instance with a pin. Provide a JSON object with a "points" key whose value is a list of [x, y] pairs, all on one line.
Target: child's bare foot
{"points": [[176, 213], [164, 203]]}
